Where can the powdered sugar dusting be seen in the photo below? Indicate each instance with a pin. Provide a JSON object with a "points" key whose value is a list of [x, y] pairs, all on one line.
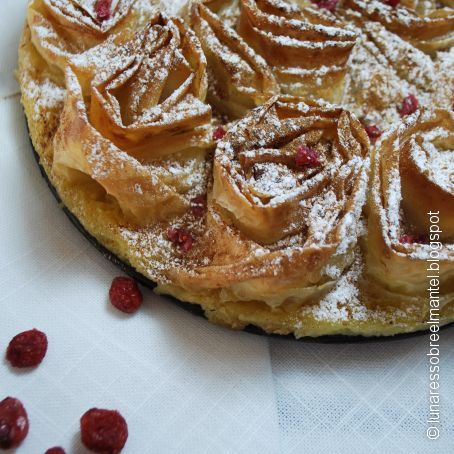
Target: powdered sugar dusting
{"points": [[437, 162], [47, 95]]}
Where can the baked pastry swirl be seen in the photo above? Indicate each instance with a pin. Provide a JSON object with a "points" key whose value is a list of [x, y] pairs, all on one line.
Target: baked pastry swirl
{"points": [[239, 78], [61, 30], [385, 70], [202, 149], [132, 116], [276, 163], [307, 48], [412, 186], [424, 24]]}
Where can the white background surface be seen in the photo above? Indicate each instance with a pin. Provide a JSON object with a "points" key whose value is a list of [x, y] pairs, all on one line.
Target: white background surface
{"points": [[183, 384]]}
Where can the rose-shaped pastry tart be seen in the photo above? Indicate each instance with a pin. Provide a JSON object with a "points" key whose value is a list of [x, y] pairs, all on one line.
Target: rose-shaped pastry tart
{"points": [[289, 186], [307, 48], [146, 104], [413, 171], [429, 29], [269, 229], [62, 30], [239, 79]]}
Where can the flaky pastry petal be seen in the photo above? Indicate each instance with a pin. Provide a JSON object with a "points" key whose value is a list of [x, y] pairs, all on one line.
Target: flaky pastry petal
{"points": [[307, 48], [149, 99], [63, 30], [239, 78], [429, 30], [412, 177]]}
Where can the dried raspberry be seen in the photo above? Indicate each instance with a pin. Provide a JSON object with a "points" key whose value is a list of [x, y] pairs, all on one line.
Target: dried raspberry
{"points": [[56, 450], [186, 245], [409, 239], [392, 3], [409, 105], [306, 157], [219, 133], [27, 349], [172, 234], [330, 5], [104, 431], [373, 132], [181, 238], [125, 294], [199, 206], [102, 9], [13, 423]]}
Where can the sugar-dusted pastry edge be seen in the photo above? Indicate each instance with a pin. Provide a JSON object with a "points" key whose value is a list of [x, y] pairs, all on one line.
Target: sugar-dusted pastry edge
{"points": [[239, 315]]}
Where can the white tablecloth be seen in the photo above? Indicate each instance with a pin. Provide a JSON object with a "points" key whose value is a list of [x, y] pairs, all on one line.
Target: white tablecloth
{"points": [[183, 384]]}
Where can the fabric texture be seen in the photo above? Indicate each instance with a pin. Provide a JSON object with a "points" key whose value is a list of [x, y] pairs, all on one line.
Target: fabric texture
{"points": [[183, 385]]}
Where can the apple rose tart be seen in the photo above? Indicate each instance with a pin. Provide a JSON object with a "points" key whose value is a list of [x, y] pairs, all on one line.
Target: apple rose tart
{"points": [[289, 186], [239, 78], [424, 24], [200, 149], [146, 104], [411, 216]]}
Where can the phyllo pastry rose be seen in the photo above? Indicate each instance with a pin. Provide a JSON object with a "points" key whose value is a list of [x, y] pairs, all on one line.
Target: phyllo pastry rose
{"points": [[389, 78], [146, 106], [61, 30], [411, 216], [427, 25], [289, 187], [307, 48], [239, 79]]}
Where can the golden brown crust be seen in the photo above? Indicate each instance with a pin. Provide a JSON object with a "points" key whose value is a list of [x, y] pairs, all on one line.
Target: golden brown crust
{"points": [[63, 30], [151, 114], [385, 69], [426, 178]]}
